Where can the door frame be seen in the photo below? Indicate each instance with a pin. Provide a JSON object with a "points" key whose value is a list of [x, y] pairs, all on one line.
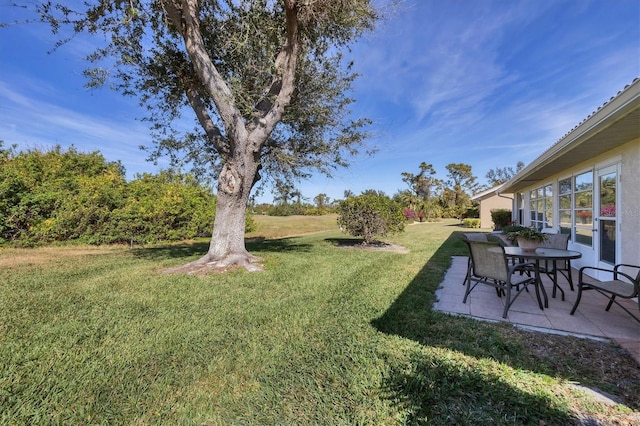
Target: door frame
{"points": [[598, 219]]}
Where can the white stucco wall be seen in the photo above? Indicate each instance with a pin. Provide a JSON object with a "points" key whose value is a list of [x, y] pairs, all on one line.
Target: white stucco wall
{"points": [[630, 196]]}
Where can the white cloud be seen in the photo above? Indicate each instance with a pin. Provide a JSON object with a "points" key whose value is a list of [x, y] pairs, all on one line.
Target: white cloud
{"points": [[30, 121]]}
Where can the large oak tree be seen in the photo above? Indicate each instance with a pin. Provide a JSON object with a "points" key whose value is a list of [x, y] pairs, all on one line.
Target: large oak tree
{"points": [[266, 81]]}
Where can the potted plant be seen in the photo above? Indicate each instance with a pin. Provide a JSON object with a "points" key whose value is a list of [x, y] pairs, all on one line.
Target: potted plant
{"points": [[528, 239]]}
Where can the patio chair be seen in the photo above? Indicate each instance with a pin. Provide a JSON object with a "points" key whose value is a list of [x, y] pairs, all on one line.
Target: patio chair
{"points": [[502, 239], [552, 267], [490, 266], [475, 236], [505, 242], [472, 236], [624, 285]]}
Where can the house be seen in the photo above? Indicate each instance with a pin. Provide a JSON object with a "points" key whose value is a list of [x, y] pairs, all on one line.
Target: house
{"points": [[492, 199], [588, 184]]}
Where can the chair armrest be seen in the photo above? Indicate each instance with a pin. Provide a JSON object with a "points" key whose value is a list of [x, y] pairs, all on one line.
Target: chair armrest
{"points": [[595, 268], [614, 271], [626, 265], [629, 277]]}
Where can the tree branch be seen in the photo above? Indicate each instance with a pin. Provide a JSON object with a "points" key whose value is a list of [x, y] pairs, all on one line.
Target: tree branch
{"points": [[213, 132], [283, 84], [184, 15]]}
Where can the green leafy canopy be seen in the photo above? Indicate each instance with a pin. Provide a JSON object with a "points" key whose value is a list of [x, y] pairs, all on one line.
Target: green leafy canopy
{"points": [[145, 57], [370, 215]]}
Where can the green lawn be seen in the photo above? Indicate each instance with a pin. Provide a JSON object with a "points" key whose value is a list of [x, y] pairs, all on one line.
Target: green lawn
{"points": [[326, 335], [283, 226]]}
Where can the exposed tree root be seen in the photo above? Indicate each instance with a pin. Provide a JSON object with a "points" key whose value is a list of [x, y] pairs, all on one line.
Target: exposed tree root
{"points": [[207, 264]]}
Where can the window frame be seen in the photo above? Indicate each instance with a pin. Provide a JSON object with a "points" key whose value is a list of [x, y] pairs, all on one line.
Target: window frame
{"points": [[582, 233], [541, 206]]}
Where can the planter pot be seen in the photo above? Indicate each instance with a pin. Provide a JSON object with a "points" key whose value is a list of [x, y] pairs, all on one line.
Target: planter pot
{"points": [[528, 245]]}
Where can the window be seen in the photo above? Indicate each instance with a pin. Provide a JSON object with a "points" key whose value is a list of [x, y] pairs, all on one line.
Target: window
{"points": [[565, 202], [583, 208], [541, 207]]}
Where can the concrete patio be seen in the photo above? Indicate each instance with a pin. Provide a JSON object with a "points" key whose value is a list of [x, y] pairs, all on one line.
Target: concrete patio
{"points": [[590, 320]]}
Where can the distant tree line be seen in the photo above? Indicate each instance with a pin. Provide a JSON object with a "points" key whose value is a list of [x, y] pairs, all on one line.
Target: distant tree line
{"points": [[56, 195], [429, 197], [288, 201], [426, 198], [373, 213]]}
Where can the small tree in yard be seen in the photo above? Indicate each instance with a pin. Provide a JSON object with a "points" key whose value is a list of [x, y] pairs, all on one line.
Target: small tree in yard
{"points": [[370, 215], [265, 81]]}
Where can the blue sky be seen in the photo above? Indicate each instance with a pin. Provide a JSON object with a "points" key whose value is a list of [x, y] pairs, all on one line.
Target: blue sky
{"points": [[482, 82]]}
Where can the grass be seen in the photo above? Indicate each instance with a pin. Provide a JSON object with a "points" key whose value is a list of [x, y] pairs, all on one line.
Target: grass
{"points": [[283, 226], [325, 335]]}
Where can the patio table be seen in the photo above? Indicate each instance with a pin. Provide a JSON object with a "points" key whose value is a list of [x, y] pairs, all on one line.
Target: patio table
{"points": [[542, 253]]}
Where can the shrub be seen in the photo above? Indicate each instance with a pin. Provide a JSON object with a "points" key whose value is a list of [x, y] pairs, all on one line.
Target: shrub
{"points": [[432, 210], [250, 224], [409, 214], [370, 215], [530, 234], [471, 223], [500, 218], [56, 195], [168, 206], [472, 212], [512, 228]]}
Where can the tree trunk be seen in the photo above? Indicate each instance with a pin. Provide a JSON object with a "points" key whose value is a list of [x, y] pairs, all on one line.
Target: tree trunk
{"points": [[227, 247], [243, 139]]}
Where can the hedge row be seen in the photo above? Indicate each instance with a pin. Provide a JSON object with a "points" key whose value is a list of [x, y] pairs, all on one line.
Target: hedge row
{"points": [[49, 196]]}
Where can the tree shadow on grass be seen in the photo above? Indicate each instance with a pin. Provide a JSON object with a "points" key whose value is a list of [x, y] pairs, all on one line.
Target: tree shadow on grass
{"points": [[411, 316], [287, 244], [171, 251], [345, 242], [187, 250], [359, 244]]}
